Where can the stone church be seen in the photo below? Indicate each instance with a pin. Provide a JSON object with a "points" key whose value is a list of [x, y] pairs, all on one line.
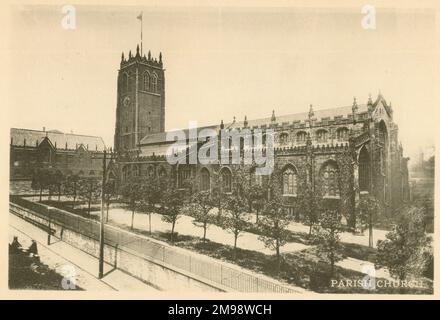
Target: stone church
{"points": [[341, 153]]}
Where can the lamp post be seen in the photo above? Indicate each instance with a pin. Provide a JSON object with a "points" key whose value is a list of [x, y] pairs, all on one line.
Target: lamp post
{"points": [[101, 224], [50, 226]]}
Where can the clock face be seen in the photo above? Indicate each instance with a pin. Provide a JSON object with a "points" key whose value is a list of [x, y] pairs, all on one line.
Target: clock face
{"points": [[126, 101]]}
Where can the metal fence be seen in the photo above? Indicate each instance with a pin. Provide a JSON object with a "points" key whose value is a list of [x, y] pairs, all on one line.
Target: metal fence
{"points": [[210, 270]]}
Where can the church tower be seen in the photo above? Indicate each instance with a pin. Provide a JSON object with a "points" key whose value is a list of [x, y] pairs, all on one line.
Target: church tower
{"points": [[140, 106]]}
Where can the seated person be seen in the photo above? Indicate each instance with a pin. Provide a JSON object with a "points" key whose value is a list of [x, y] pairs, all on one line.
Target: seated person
{"points": [[33, 250], [15, 246]]}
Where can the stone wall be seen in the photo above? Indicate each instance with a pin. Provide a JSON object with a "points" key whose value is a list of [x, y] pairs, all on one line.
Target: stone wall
{"points": [[153, 272]]}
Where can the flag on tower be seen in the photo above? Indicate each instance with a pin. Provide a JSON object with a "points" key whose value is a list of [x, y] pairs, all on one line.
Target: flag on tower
{"points": [[140, 16]]}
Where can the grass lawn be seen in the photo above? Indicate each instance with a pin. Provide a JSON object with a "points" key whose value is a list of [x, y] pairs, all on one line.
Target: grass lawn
{"points": [[302, 268]]}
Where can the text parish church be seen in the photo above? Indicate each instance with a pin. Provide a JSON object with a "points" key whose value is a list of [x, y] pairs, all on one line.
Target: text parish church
{"points": [[341, 153]]}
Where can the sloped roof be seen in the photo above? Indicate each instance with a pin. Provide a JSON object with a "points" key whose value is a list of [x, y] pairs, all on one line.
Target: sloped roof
{"points": [[160, 137], [290, 118], [58, 138], [318, 114]]}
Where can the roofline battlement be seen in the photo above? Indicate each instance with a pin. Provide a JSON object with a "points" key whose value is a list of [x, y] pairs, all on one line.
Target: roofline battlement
{"points": [[138, 57]]}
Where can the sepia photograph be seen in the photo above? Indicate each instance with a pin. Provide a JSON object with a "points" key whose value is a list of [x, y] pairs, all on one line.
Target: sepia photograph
{"points": [[207, 148]]}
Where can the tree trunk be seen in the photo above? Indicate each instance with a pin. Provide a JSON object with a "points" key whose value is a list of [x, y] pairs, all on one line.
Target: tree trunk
{"points": [[361, 225], [370, 232], [172, 231], [59, 193], [149, 222], [310, 229], [402, 277], [256, 219], [278, 256], [332, 267], [90, 197], [332, 255], [235, 245], [204, 232], [74, 195], [108, 205], [88, 210], [132, 219], [219, 212], [41, 193]]}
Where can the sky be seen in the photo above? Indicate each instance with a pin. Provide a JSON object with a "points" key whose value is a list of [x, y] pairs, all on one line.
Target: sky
{"points": [[223, 62]]}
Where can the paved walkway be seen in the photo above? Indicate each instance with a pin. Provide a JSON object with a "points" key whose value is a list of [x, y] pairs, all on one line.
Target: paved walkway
{"points": [[362, 266], [122, 217], [61, 257], [346, 237], [249, 241], [184, 225]]}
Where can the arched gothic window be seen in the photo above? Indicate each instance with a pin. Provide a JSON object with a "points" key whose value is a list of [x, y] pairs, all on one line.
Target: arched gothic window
{"points": [[284, 138], [383, 139], [226, 180], [364, 170], [205, 182], [301, 137], [342, 134], [135, 171], [184, 176], [125, 173], [153, 82], [150, 172], [329, 178], [289, 181], [125, 85], [162, 172], [256, 179], [321, 135], [146, 81]]}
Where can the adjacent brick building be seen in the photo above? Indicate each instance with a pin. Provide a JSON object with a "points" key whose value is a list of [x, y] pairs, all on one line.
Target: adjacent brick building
{"points": [[67, 153]]}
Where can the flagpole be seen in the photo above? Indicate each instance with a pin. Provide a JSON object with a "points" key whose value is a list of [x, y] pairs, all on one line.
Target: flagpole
{"points": [[142, 18]]}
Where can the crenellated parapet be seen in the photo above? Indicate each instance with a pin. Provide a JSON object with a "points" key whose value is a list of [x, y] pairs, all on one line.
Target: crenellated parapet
{"points": [[138, 57], [132, 157]]}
